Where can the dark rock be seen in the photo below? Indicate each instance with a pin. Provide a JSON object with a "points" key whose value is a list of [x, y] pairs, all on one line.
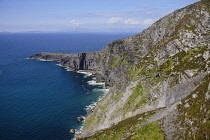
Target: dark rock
{"points": [[158, 75], [80, 119]]}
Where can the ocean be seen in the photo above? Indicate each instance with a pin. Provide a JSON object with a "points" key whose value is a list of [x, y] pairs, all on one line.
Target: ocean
{"points": [[40, 100]]}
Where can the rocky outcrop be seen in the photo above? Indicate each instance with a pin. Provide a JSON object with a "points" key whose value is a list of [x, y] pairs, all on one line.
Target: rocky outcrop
{"points": [[72, 131], [80, 119], [153, 77]]}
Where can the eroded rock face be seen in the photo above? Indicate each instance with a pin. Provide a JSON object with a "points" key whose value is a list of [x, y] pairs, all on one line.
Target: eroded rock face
{"points": [[154, 69]]}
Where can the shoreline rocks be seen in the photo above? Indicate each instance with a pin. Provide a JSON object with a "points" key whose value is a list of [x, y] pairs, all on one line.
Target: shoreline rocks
{"points": [[80, 119], [72, 131]]}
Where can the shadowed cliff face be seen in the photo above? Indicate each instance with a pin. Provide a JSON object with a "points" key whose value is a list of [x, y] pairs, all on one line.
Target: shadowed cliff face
{"points": [[82, 62], [154, 77]]}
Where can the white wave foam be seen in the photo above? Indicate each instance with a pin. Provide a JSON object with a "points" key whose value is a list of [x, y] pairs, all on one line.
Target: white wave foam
{"points": [[60, 65], [79, 130], [87, 74], [98, 89], [92, 82], [93, 104], [66, 68], [44, 60]]}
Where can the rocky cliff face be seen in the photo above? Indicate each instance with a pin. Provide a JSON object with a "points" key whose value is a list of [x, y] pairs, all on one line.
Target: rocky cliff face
{"points": [[159, 80]]}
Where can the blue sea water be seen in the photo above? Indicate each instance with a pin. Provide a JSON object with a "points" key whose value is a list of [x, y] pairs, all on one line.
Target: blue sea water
{"points": [[40, 100]]}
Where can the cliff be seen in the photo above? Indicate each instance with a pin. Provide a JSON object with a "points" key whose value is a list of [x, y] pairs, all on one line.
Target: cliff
{"points": [[158, 80]]}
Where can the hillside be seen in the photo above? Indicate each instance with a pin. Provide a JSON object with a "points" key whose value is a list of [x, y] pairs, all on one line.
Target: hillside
{"points": [[158, 80]]}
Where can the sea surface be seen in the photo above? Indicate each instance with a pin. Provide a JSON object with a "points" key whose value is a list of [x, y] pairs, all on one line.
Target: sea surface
{"points": [[40, 100]]}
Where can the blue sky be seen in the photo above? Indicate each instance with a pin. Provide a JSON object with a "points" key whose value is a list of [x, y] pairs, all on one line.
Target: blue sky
{"points": [[84, 15]]}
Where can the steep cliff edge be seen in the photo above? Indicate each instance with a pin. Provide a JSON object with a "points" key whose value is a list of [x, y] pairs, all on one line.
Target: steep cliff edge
{"points": [[159, 80]]}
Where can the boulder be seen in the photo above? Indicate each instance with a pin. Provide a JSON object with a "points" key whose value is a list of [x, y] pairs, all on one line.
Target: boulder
{"points": [[80, 119], [72, 131]]}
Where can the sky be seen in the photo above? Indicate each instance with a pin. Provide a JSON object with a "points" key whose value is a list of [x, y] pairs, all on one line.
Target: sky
{"points": [[84, 15]]}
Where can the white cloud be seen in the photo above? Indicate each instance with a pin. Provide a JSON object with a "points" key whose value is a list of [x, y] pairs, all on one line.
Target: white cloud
{"points": [[115, 20], [131, 21], [148, 21], [74, 22]]}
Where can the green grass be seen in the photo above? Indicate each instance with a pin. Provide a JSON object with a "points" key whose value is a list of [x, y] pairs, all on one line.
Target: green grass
{"points": [[114, 61], [116, 96], [124, 128], [118, 61], [191, 28], [150, 131], [197, 112], [136, 99]]}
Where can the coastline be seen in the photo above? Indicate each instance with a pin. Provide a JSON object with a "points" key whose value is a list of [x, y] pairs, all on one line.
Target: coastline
{"points": [[157, 78], [90, 107]]}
